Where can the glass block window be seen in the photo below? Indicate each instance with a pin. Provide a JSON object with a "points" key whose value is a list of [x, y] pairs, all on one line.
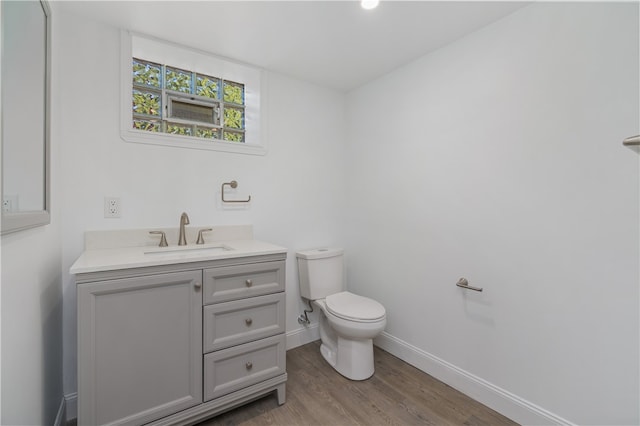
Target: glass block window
{"points": [[182, 102], [147, 125], [173, 95], [147, 74], [147, 103], [234, 93], [207, 86]]}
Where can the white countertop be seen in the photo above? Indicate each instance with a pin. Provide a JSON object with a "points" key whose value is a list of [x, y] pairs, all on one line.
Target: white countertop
{"points": [[111, 259], [114, 250]]}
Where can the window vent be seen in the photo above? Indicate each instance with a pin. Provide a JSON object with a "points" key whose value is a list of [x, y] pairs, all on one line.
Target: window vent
{"points": [[193, 111]]}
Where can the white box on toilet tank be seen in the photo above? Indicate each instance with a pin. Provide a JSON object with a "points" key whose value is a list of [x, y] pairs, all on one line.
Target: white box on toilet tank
{"points": [[320, 272]]}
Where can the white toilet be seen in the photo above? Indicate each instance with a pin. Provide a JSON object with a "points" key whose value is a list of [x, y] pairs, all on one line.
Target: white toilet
{"points": [[348, 322]]}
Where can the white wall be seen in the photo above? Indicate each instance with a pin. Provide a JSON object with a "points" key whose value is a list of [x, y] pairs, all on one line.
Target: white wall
{"points": [[31, 327], [295, 188], [499, 158], [31, 311]]}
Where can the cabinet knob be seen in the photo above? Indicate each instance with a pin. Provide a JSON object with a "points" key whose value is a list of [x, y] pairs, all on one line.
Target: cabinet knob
{"points": [[248, 365], [248, 321], [197, 284], [249, 283]]}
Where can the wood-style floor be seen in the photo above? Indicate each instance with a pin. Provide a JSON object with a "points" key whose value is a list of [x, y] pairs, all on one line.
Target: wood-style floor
{"points": [[397, 394]]}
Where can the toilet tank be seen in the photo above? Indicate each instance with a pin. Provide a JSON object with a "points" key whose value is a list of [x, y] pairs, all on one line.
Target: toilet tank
{"points": [[320, 272]]}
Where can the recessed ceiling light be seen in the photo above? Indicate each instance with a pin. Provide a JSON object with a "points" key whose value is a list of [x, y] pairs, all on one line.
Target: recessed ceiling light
{"points": [[369, 4]]}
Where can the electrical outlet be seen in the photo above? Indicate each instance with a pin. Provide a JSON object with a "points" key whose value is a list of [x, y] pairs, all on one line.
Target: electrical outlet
{"points": [[9, 203], [112, 207]]}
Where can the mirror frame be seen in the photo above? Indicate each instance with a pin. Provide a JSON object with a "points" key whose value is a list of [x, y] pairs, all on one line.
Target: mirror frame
{"points": [[18, 221]]}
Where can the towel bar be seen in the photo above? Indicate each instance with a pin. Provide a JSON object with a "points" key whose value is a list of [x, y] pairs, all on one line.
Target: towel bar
{"points": [[232, 184], [632, 142], [464, 283]]}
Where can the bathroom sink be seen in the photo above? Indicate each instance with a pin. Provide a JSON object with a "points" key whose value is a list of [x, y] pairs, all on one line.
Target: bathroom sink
{"points": [[188, 250]]}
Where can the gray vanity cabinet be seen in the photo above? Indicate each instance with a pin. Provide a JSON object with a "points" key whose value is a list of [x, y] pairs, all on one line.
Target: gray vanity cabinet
{"points": [[176, 344], [140, 347]]}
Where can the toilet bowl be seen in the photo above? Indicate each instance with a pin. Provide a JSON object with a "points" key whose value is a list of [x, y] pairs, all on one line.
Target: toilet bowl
{"points": [[347, 343], [348, 322]]}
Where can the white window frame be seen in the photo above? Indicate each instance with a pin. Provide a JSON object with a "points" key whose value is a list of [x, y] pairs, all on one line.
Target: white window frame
{"points": [[164, 52]]}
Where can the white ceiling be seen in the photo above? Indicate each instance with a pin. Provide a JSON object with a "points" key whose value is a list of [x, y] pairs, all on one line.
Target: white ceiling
{"points": [[335, 44]]}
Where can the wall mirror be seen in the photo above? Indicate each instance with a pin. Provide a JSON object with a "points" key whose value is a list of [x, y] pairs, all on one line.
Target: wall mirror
{"points": [[25, 87]]}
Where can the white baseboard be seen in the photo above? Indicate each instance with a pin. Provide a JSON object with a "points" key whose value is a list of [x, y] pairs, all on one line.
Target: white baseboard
{"points": [[504, 402], [61, 416], [302, 336], [71, 402]]}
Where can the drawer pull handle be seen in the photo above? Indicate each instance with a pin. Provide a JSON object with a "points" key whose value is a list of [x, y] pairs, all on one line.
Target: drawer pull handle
{"points": [[248, 365], [197, 284], [249, 283], [248, 321]]}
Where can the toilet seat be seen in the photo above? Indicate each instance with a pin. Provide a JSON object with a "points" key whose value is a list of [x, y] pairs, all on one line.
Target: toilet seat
{"points": [[356, 308]]}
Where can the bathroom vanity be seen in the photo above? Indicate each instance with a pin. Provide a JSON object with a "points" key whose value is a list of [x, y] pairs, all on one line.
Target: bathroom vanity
{"points": [[175, 335]]}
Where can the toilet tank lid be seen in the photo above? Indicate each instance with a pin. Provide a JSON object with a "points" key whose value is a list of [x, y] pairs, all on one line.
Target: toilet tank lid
{"points": [[320, 253]]}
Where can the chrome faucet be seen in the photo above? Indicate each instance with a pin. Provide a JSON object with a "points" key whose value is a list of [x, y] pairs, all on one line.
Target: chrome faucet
{"points": [[184, 220]]}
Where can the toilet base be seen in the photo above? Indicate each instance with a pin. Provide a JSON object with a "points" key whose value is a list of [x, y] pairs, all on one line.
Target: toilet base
{"points": [[353, 358], [328, 354]]}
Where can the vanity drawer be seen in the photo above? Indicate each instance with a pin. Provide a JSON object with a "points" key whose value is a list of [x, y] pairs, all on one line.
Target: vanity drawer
{"points": [[241, 281], [232, 369], [241, 321]]}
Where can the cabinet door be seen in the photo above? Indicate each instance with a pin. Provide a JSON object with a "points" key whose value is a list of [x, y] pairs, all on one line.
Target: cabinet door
{"points": [[139, 348]]}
